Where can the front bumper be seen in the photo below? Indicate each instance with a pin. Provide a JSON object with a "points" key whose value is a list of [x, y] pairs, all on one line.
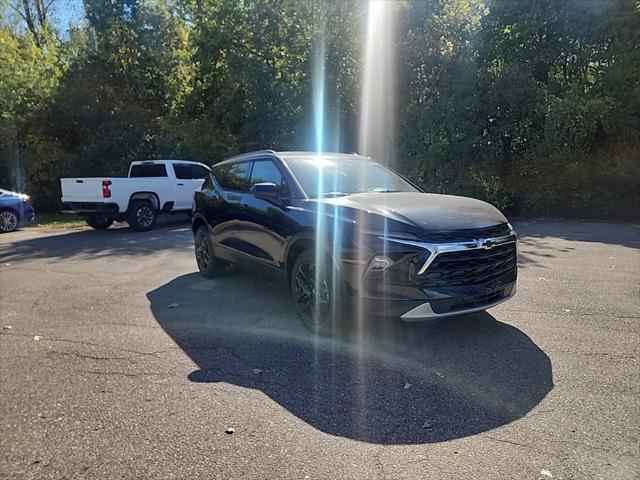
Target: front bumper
{"points": [[458, 306], [424, 281]]}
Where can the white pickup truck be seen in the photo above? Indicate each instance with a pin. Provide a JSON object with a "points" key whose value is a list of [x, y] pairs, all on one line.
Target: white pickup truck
{"points": [[152, 187]]}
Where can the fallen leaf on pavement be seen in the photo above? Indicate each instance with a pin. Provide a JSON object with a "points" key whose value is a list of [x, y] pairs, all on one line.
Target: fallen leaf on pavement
{"points": [[427, 424], [546, 473], [257, 371], [37, 337], [407, 385]]}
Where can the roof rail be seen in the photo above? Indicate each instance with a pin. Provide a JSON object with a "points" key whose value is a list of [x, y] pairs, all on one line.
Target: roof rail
{"points": [[251, 154]]}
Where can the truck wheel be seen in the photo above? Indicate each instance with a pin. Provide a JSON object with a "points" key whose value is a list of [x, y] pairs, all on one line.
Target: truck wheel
{"points": [[317, 293], [99, 222], [8, 221], [142, 216], [208, 264]]}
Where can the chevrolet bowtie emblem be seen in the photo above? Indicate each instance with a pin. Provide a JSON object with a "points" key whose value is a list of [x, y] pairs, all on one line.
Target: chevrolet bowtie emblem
{"points": [[487, 244]]}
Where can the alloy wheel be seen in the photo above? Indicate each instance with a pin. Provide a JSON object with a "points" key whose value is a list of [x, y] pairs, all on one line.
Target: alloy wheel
{"points": [[8, 221], [313, 303], [203, 254], [144, 216]]}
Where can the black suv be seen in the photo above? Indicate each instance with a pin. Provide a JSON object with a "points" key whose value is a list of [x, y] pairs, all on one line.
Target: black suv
{"points": [[344, 230]]}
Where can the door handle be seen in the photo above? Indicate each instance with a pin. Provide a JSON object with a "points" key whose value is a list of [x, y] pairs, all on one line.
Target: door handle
{"points": [[181, 184]]}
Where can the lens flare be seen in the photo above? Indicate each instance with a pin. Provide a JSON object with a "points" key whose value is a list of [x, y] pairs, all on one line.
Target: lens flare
{"points": [[318, 86], [376, 136], [376, 139]]}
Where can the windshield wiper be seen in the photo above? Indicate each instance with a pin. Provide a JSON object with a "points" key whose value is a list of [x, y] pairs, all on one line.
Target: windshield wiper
{"points": [[335, 194], [381, 190]]}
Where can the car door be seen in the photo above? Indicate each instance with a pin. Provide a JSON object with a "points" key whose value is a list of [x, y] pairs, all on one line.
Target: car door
{"points": [[184, 186], [266, 224], [227, 219]]}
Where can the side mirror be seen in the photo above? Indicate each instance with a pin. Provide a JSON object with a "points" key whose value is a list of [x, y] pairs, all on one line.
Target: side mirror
{"points": [[266, 191]]}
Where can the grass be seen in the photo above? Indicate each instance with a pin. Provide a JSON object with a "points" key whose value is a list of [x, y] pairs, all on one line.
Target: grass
{"points": [[58, 220]]}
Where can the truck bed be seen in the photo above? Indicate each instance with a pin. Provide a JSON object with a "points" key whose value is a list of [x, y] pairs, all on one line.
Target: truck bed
{"points": [[88, 192]]}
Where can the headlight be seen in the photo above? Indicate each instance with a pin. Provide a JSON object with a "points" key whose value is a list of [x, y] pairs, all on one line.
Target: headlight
{"points": [[378, 264]]}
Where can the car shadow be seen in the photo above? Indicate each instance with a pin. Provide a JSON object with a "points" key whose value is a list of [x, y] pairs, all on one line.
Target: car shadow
{"points": [[174, 234], [379, 381]]}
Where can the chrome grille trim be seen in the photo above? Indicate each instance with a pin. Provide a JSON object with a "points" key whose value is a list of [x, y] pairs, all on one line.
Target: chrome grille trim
{"points": [[436, 249]]}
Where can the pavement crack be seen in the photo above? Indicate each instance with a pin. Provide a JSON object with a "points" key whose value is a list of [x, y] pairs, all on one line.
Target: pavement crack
{"points": [[124, 374], [379, 465], [92, 344], [524, 445], [83, 356], [586, 445], [510, 442]]}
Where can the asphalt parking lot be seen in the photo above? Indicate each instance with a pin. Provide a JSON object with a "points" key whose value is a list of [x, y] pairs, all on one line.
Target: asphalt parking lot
{"points": [[119, 361]]}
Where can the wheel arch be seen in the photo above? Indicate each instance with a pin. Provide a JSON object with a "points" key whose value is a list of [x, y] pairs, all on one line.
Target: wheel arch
{"points": [[198, 220], [149, 196], [295, 247]]}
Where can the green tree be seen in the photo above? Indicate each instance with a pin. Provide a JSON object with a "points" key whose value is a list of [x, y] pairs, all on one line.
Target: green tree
{"points": [[28, 76]]}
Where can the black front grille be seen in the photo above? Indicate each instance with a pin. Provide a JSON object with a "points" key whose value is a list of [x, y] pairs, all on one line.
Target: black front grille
{"points": [[469, 267], [466, 235]]}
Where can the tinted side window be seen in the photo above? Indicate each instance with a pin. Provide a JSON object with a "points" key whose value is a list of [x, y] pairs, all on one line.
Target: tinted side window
{"points": [[236, 177], [266, 171], [183, 171], [199, 172], [148, 170]]}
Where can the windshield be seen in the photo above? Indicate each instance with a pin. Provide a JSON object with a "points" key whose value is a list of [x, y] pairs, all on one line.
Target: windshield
{"points": [[337, 176]]}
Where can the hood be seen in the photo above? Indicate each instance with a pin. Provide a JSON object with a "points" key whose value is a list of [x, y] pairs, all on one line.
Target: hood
{"points": [[13, 194], [427, 211]]}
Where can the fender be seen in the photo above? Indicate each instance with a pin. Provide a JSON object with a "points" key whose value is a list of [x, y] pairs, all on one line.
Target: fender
{"points": [[197, 219]]}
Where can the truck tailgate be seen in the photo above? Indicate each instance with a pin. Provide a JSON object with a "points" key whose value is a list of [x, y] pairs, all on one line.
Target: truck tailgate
{"points": [[82, 189]]}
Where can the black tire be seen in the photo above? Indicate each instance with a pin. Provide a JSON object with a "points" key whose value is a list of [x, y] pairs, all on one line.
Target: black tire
{"points": [[142, 216], [208, 265], [9, 220], [99, 222], [320, 310]]}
